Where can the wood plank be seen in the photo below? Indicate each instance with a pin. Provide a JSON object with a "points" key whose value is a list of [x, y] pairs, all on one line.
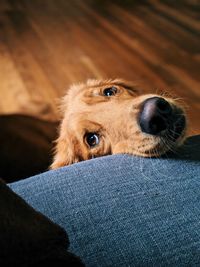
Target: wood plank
{"points": [[12, 87], [45, 45]]}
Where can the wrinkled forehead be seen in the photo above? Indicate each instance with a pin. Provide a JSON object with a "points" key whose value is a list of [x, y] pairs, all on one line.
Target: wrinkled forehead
{"points": [[92, 86], [87, 101]]}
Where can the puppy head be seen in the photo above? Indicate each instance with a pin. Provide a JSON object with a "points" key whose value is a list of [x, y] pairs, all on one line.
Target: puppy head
{"points": [[110, 117]]}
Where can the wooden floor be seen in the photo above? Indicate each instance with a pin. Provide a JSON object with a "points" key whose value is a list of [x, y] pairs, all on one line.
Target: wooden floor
{"points": [[45, 45]]}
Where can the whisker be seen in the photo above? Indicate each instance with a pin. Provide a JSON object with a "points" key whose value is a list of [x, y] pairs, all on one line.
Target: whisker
{"points": [[172, 145], [169, 144]]}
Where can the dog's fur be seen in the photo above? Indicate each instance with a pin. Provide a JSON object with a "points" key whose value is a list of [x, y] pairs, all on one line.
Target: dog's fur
{"points": [[85, 109]]}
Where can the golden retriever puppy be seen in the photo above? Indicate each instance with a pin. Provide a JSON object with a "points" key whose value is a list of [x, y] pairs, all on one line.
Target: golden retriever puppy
{"points": [[110, 117]]}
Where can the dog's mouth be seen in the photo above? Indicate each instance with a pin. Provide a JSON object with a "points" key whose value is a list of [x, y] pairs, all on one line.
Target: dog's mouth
{"points": [[177, 126], [166, 142], [163, 124]]}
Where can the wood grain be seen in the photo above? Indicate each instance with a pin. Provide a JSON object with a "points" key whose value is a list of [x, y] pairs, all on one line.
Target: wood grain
{"points": [[45, 45]]}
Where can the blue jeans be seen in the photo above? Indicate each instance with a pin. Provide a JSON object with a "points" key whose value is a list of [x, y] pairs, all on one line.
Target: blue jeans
{"points": [[125, 211]]}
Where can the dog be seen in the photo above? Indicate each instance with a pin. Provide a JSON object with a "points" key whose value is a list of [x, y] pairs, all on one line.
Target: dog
{"points": [[104, 117]]}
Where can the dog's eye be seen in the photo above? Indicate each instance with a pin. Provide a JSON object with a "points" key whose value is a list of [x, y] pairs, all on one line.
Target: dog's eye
{"points": [[110, 91], [92, 139]]}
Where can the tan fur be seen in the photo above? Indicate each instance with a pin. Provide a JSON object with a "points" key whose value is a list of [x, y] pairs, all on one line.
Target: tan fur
{"points": [[86, 109]]}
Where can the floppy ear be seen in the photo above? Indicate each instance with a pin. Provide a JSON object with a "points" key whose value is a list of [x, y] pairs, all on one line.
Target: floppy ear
{"points": [[67, 150]]}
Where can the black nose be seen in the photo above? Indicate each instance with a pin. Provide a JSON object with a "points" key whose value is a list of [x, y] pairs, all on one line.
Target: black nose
{"points": [[154, 116]]}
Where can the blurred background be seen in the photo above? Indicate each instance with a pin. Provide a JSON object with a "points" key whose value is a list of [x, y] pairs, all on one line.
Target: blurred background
{"points": [[46, 45]]}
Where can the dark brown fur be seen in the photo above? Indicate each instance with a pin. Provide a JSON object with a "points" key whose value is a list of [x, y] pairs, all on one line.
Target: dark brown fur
{"points": [[25, 146]]}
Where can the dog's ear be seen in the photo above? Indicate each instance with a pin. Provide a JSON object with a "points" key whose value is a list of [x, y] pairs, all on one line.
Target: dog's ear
{"points": [[67, 149]]}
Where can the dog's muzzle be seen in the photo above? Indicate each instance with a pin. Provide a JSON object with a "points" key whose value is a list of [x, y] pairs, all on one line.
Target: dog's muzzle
{"points": [[157, 116]]}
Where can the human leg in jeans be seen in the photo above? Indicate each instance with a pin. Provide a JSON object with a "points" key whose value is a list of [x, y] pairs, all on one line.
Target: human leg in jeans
{"points": [[125, 211]]}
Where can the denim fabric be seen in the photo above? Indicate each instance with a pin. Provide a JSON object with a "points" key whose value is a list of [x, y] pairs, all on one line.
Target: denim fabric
{"points": [[125, 211]]}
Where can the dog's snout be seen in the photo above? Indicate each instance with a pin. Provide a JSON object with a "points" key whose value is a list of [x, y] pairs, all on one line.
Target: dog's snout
{"points": [[154, 115]]}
